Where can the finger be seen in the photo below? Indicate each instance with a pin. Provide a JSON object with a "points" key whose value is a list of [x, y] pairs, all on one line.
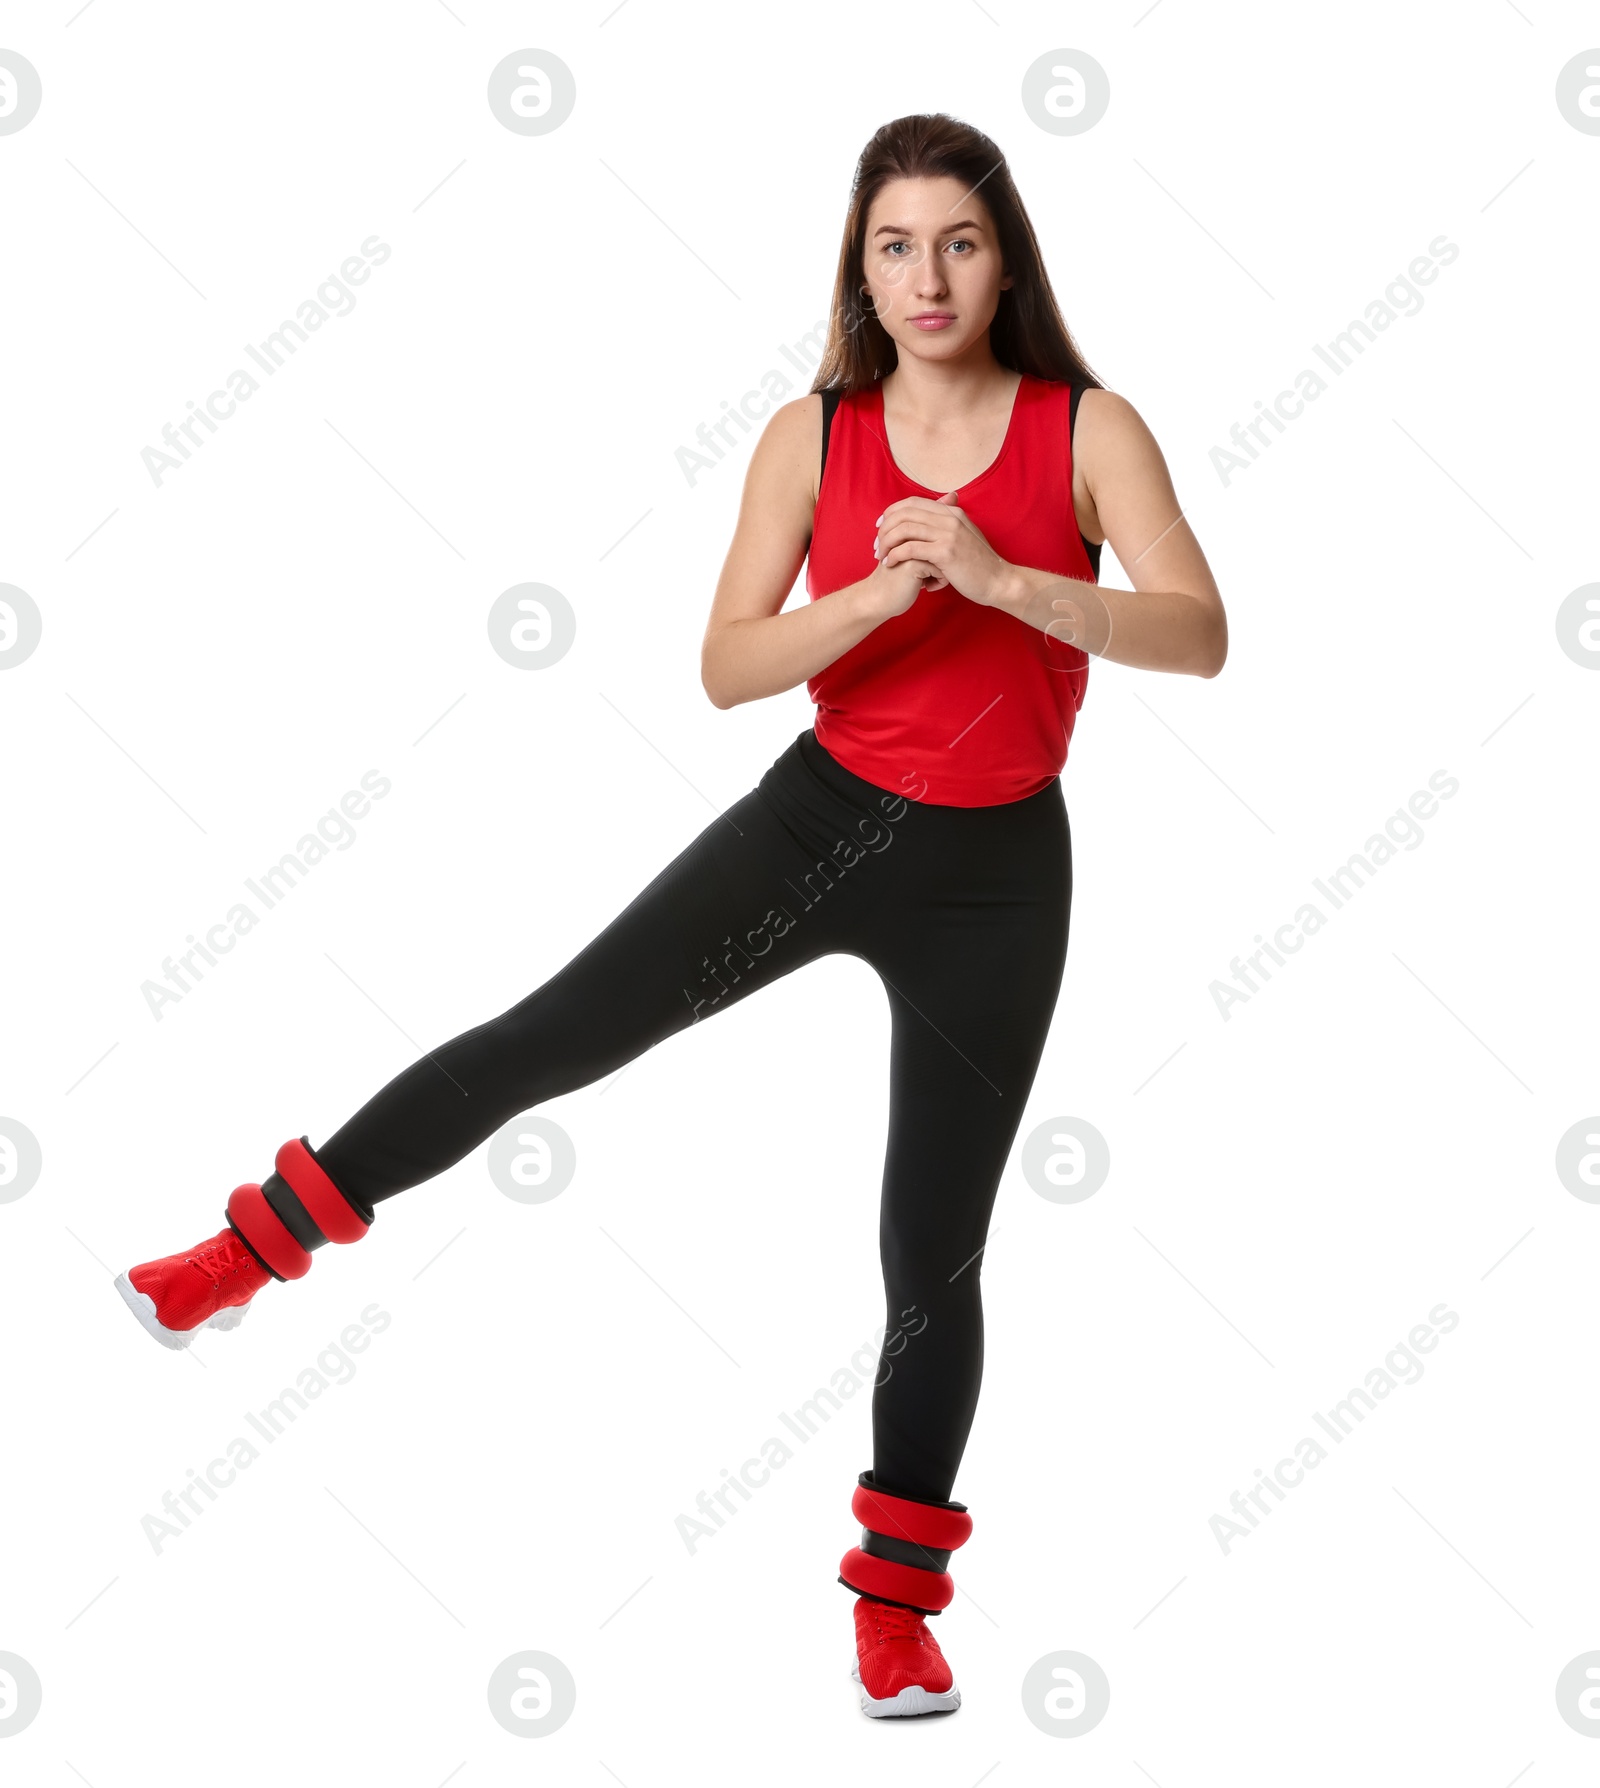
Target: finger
{"points": [[909, 505], [932, 577], [910, 555], [913, 543], [932, 532], [905, 554], [909, 532]]}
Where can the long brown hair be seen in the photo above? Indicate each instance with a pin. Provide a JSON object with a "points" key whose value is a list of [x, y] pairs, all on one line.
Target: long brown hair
{"points": [[1028, 334]]}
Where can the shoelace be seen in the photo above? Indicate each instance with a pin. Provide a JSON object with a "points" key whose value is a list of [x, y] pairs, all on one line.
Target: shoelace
{"points": [[897, 1623], [214, 1261]]}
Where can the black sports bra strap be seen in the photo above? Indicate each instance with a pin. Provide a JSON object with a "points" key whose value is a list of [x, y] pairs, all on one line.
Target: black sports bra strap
{"points": [[1091, 547], [830, 402]]}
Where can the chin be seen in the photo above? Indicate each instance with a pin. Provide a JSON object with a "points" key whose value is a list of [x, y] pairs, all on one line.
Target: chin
{"points": [[935, 347]]}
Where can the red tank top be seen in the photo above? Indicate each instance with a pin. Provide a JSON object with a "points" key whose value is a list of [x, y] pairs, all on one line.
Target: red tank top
{"points": [[952, 703]]}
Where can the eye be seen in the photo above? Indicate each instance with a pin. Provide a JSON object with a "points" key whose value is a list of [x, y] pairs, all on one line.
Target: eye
{"points": [[962, 239]]}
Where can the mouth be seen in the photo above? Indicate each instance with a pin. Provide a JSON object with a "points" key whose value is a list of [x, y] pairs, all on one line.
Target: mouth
{"points": [[932, 319]]}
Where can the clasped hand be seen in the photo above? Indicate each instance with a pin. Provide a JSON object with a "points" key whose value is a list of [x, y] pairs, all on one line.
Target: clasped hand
{"points": [[938, 531]]}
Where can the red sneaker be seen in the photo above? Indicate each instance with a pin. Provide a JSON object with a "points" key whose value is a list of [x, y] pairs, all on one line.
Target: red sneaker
{"points": [[898, 1664], [209, 1286]]}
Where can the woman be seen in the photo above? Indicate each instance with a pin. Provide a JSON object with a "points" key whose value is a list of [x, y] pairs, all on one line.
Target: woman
{"points": [[949, 493]]}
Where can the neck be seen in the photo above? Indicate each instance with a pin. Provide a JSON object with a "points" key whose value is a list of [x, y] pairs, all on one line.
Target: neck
{"points": [[939, 389]]}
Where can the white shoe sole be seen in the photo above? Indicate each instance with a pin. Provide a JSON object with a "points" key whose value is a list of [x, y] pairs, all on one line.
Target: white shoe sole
{"points": [[144, 1307], [913, 1700]]}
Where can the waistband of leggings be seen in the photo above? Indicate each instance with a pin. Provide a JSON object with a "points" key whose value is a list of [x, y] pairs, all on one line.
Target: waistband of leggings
{"points": [[848, 786], [844, 782]]}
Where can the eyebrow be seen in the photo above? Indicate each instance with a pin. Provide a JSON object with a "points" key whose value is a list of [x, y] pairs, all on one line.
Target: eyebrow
{"points": [[901, 230]]}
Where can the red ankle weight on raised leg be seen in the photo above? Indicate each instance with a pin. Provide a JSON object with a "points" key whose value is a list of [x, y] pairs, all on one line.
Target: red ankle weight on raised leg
{"points": [[905, 1546], [265, 1234], [296, 1209], [335, 1216]]}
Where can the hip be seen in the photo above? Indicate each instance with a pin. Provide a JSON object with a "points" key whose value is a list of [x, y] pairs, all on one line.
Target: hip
{"points": [[1009, 851]]}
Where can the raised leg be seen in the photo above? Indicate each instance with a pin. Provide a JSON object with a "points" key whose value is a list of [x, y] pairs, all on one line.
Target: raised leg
{"points": [[722, 919]]}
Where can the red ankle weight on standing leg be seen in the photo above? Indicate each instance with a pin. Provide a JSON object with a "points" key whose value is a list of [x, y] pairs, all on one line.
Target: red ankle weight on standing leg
{"points": [[905, 1545]]}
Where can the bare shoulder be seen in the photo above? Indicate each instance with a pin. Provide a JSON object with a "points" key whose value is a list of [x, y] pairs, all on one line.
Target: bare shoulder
{"points": [[788, 454], [1112, 436], [797, 416]]}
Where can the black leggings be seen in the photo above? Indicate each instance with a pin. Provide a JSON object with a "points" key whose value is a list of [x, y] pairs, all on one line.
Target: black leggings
{"points": [[962, 911]]}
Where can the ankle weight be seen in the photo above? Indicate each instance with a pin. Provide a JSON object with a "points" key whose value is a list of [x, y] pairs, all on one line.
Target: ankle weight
{"points": [[295, 1209], [905, 1546]]}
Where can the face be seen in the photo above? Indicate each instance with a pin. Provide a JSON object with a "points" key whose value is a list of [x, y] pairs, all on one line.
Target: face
{"points": [[931, 251]]}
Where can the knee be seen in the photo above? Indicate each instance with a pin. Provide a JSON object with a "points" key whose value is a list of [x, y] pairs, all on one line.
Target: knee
{"points": [[928, 1270]]}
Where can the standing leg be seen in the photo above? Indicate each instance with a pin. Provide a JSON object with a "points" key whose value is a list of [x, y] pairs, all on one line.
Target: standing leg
{"points": [[972, 967], [969, 1027]]}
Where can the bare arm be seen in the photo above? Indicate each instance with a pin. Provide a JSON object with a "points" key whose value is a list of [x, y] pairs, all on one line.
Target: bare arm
{"points": [[1173, 618], [751, 650]]}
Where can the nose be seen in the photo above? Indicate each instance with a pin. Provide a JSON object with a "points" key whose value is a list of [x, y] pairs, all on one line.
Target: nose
{"points": [[929, 281]]}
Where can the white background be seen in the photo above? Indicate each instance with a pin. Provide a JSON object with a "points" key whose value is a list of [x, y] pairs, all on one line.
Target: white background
{"points": [[1291, 1190]]}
